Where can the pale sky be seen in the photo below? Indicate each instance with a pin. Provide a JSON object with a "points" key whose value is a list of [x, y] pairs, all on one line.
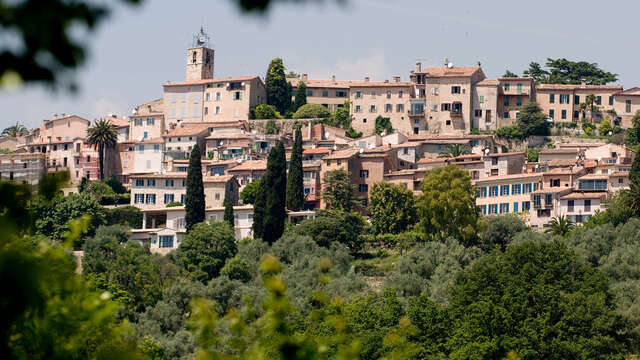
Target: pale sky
{"points": [[138, 49]]}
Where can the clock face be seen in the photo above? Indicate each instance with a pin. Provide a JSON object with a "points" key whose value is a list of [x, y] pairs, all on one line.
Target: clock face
{"points": [[202, 39]]}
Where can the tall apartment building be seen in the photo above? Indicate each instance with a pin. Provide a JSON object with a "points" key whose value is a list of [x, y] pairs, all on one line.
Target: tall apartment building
{"points": [[445, 97], [496, 102], [561, 102], [202, 98], [369, 99]]}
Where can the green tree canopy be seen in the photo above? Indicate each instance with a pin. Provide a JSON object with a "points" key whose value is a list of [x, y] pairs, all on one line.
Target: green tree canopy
{"points": [[194, 203], [447, 207], [454, 150], [337, 191], [383, 124], [275, 187], [16, 130], [264, 111], [392, 208], [500, 230], [278, 89], [531, 120], [311, 111], [536, 72], [249, 193], [205, 249], [271, 127], [301, 96], [103, 136], [295, 194], [228, 214], [509, 74], [605, 128], [563, 71], [334, 226]]}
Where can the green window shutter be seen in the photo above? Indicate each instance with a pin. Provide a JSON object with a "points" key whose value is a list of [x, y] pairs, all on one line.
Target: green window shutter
{"points": [[551, 113], [519, 101], [506, 101], [552, 98], [610, 100], [599, 100]]}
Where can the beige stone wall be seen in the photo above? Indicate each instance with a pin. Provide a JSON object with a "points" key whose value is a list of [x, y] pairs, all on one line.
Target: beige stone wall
{"points": [[392, 102], [330, 97], [200, 62], [438, 91], [485, 99], [152, 125]]}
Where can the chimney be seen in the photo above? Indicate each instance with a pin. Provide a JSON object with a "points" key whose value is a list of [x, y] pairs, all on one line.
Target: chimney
{"points": [[333, 78], [63, 115], [305, 77], [396, 79], [366, 79], [418, 66], [446, 61], [55, 116], [478, 63], [583, 81], [386, 81]]}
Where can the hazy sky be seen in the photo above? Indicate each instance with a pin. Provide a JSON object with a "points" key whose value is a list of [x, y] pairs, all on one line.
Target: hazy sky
{"points": [[138, 49]]}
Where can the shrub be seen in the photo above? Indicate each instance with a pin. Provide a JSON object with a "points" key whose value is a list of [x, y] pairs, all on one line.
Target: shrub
{"points": [[174, 204], [509, 132], [311, 111], [264, 111]]}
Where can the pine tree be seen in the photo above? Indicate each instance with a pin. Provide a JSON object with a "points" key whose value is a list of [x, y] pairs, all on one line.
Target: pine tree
{"points": [[278, 89], [258, 209], [194, 202], [295, 196], [228, 213], [275, 186], [301, 96]]}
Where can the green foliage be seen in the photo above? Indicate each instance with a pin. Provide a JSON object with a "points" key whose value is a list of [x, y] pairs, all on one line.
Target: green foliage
{"points": [[228, 214], [392, 208], [454, 150], [509, 74], [532, 155], [311, 111], [352, 133], [249, 193], [447, 206], [334, 226], [125, 215], [560, 225], [16, 130], [536, 71], [337, 191], [588, 128], [278, 89], [510, 132], [264, 111], [301, 96], [115, 185], [633, 134], [269, 207], [295, 193], [605, 127], [538, 299], [563, 71], [271, 128], [52, 217], [203, 252], [102, 135], [531, 120], [237, 269], [500, 231], [174, 204], [99, 190], [194, 203], [383, 124]]}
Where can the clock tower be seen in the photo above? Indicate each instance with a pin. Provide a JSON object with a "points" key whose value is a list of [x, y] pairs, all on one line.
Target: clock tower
{"points": [[200, 58]]}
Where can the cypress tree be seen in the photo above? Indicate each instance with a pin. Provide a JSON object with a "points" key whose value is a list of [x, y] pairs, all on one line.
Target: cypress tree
{"points": [[634, 173], [258, 209], [295, 196], [278, 89], [301, 96], [194, 201], [228, 213], [275, 186]]}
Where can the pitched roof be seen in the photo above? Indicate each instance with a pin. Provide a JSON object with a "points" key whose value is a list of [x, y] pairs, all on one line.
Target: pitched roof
{"points": [[251, 165], [553, 190], [634, 91], [345, 84], [510, 177], [167, 175], [446, 141], [560, 151], [518, 153], [217, 179], [318, 150], [432, 161], [577, 87], [456, 71], [342, 154], [488, 82], [210, 81], [584, 195], [188, 129]]}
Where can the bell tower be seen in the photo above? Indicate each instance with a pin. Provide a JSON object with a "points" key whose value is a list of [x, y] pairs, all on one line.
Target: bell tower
{"points": [[200, 58]]}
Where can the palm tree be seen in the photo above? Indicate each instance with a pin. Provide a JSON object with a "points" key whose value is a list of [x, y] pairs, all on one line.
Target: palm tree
{"points": [[560, 225], [583, 110], [591, 103], [454, 150], [16, 130], [102, 135]]}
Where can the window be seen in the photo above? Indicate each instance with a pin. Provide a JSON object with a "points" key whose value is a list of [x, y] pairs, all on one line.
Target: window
{"points": [[207, 96], [148, 164], [481, 98], [358, 94], [570, 204], [400, 93], [587, 205], [184, 97], [166, 241], [611, 100], [526, 205], [156, 147], [325, 93], [388, 94], [217, 96], [445, 107], [504, 190], [173, 97], [548, 199], [515, 207], [506, 101], [309, 92], [363, 188], [620, 180], [576, 114], [507, 86], [592, 184], [358, 109], [551, 113], [341, 94], [576, 99], [563, 114], [364, 173], [372, 108], [181, 198], [627, 106], [455, 89], [206, 110], [599, 100], [400, 108], [237, 95], [505, 115], [552, 98], [478, 113], [139, 182], [518, 100], [388, 108], [168, 198], [138, 199], [364, 121], [168, 183], [151, 199], [151, 182], [217, 196], [307, 191], [373, 94]]}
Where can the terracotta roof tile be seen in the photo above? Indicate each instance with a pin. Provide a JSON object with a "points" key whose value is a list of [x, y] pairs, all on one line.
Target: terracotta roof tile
{"points": [[318, 150], [510, 177], [188, 129], [456, 71], [584, 195], [210, 81], [634, 91], [577, 87], [342, 154], [167, 175], [216, 179], [251, 165]]}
